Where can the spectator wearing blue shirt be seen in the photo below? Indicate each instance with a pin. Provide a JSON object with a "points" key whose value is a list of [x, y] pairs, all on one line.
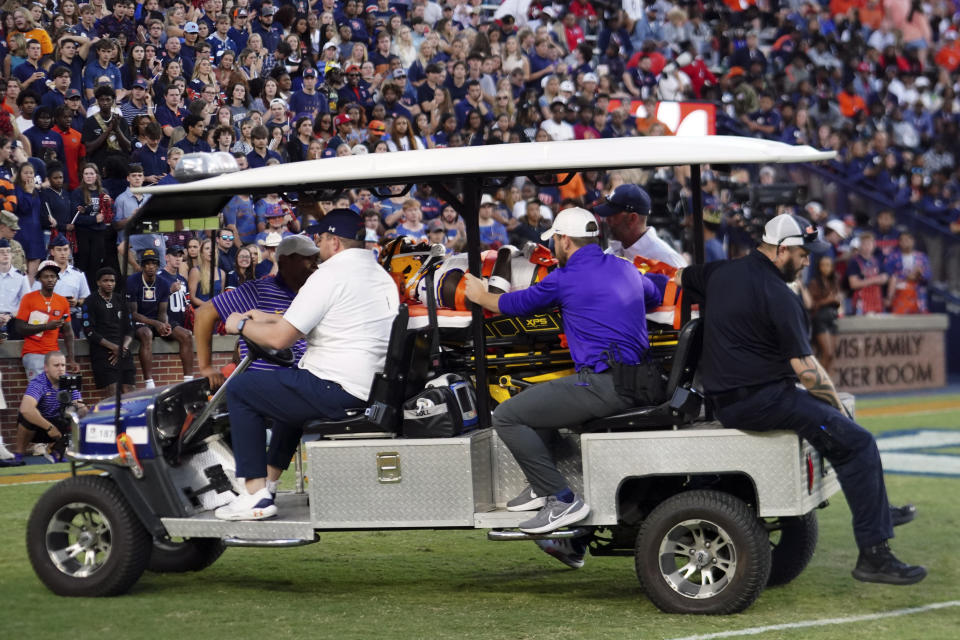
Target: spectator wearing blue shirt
{"points": [[604, 301], [99, 66], [30, 74], [308, 101], [147, 298], [493, 235], [151, 155], [43, 138], [238, 32], [240, 217], [269, 31], [220, 40], [193, 142], [169, 114], [766, 122], [61, 85], [260, 154]]}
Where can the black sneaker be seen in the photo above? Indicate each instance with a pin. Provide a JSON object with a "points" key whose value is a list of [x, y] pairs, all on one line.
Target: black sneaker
{"points": [[878, 564], [902, 515]]}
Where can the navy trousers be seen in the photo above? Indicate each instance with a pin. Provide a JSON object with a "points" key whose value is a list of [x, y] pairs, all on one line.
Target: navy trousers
{"points": [[850, 448], [290, 397]]}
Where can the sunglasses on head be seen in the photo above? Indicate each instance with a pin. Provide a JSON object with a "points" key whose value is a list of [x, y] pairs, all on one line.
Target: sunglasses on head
{"points": [[807, 238]]}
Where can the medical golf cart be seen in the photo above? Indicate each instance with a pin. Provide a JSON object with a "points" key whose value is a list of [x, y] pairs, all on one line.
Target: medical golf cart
{"points": [[710, 515]]}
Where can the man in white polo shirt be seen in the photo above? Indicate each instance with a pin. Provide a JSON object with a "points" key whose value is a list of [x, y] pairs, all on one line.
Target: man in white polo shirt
{"points": [[345, 310], [625, 214]]}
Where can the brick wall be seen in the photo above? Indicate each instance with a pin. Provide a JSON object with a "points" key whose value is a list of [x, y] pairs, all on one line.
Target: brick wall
{"points": [[166, 370]]}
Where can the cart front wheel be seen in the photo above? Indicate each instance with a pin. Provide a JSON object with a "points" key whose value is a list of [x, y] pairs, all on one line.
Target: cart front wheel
{"points": [[83, 539]]}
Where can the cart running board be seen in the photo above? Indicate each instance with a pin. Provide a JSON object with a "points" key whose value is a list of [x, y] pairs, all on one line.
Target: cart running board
{"points": [[503, 535], [275, 544]]}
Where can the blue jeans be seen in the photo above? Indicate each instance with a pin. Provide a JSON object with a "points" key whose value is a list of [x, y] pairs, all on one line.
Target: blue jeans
{"points": [[850, 448], [290, 397]]}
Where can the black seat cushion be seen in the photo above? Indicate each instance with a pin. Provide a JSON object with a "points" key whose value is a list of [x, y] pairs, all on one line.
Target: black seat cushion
{"points": [[352, 424], [680, 409]]}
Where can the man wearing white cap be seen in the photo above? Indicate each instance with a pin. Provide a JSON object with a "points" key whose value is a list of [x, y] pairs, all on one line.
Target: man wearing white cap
{"points": [[604, 301], [755, 351]]}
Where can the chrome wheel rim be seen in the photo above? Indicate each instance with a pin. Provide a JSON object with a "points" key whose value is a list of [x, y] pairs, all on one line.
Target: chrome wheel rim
{"points": [[79, 539], [697, 559]]}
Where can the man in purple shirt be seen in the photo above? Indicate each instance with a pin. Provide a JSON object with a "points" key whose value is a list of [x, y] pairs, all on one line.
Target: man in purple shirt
{"points": [[604, 300], [297, 259]]}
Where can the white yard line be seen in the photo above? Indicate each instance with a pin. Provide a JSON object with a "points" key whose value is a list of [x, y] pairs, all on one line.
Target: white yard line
{"points": [[823, 622]]}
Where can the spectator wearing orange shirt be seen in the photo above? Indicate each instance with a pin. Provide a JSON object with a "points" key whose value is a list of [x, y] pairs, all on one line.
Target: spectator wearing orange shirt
{"points": [[43, 315], [838, 7], [850, 103], [871, 14], [948, 57]]}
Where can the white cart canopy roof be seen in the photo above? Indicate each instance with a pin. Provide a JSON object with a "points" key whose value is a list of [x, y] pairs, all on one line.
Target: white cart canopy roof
{"points": [[498, 160]]}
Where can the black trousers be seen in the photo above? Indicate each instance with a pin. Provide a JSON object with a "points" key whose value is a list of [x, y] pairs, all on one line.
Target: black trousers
{"points": [[91, 253], [850, 448]]}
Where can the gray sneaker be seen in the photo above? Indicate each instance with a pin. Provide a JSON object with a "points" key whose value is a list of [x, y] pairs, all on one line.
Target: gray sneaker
{"points": [[528, 500], [556, 514], [568, 551]]}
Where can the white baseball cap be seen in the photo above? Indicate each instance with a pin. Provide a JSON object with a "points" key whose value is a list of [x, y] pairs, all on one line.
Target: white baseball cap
{"points": [[574, 222], [787, 230], [839, 227], [273, 239]]}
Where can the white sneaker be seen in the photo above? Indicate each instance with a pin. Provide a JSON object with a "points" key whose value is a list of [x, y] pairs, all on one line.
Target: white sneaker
{"points": [[257, 506], [5, 453], [149, 384]]}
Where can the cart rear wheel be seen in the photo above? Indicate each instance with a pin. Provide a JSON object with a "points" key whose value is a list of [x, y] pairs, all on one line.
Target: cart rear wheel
{"points": [[703, 552], [792, 543], [84, 539], [181, 556]]}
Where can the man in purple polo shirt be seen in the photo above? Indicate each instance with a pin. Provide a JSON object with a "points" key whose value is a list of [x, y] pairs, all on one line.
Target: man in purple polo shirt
{"points": [[604, 300], [297, 257]]}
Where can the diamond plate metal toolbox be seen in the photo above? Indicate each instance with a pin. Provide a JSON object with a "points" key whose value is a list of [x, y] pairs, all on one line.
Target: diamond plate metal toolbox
{"points": [[430, 482], [774, 462]]}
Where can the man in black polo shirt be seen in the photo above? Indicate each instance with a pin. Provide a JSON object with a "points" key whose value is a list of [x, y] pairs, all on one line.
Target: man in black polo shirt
{"points": [[755, 350]]}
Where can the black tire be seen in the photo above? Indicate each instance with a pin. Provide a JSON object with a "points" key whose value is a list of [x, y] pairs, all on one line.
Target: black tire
{"points": [[182, 556], [792, 543], [721, 579], [91, 514]]}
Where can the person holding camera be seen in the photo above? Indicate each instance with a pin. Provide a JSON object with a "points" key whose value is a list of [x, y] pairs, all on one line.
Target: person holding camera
{"points": [[106, 323], [41, 417]]}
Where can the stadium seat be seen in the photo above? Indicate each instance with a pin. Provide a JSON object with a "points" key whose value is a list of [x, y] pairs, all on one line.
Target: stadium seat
{"points": [[404, 375], [684, 402]]}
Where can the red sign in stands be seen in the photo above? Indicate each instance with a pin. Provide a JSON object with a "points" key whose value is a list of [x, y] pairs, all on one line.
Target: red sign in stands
{"points": [[681, 118]]}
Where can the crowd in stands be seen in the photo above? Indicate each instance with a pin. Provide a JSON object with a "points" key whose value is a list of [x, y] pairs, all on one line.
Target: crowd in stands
{"points": [[103, 97]]}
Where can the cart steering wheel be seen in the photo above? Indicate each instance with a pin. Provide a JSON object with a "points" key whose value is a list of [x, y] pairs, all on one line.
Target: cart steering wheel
{"points": [[279, 357]]}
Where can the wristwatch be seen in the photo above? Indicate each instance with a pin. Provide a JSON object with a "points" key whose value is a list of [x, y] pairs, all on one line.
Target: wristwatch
{"points": [[240, 324]]}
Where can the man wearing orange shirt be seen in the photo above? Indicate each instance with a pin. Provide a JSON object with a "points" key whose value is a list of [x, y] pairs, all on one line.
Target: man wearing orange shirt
{"points": [[43, 315], [850, 103], [73, 149], [948, 57]]}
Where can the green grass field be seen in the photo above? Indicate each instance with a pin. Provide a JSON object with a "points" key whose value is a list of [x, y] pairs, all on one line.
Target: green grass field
{"points": [[456, 584]]}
